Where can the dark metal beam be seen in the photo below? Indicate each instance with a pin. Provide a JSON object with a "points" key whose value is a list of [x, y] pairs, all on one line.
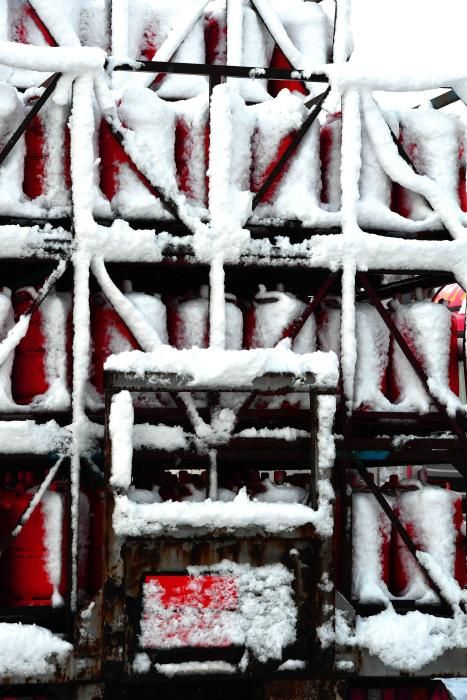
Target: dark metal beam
{"points": [[219, 72]]}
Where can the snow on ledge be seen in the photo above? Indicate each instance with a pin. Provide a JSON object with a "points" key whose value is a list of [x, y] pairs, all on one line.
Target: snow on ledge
{"points": [[229, 368], [29, 651], [19, 437], [137, 520]]}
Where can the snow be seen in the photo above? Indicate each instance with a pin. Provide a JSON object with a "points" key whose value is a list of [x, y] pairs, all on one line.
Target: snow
{"points": [[29, 651], [195, 668], [213, 367], [121, 428], [77, 61], [253, 608], [20, 436], [409, 642]]}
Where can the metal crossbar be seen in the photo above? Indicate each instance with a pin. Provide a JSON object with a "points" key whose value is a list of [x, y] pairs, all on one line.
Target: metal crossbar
{"points": [[219, 71]]}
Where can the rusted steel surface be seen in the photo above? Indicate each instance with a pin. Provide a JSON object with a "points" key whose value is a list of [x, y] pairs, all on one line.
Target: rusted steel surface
{"points": [[144, 557]]}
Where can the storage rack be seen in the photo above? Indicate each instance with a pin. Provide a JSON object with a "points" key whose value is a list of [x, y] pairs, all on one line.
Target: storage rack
{"points": [[359, 431]]}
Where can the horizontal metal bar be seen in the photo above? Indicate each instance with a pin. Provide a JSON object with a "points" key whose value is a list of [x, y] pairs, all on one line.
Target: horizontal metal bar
{"points": [[447, 98], [216, 71]]}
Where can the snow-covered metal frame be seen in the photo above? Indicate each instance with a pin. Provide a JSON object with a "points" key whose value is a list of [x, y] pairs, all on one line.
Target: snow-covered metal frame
{"points": [[349, 250]]}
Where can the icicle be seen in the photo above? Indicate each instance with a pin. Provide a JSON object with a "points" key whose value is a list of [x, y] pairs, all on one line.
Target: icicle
{"points": [[217, 304]]}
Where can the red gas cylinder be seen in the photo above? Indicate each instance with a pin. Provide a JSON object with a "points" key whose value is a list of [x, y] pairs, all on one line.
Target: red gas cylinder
{"points": [[191, 158], [371, 558], [109, 335], [278, 60], [30, 28], [215, 38], [112, 157], [34, 162], [401, 198], [441, 694], [414, 501], [259, 173], [29, 368], [455, 298], [269, 317], [358, 694], [32, 569], [436, 352], [330, 157], [189, 322], [460, 564]]}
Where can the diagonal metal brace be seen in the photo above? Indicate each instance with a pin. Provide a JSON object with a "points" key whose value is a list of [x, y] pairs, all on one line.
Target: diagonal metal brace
{"points": [[395, 521], [294, 328], [291, 148], [38, 104], [168, 202]]}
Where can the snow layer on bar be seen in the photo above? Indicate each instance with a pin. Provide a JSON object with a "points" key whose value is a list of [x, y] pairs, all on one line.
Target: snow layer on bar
{"points": [[195, 668], [162, 437], [74, 60], [29, 651], [134, 520], [19, 437], [259, 612], [121, 427], [229, 368]]}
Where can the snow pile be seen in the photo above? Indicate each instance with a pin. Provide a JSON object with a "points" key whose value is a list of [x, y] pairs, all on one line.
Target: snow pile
{"points": [[213, 367], [195, 668], [28, 651], [238, 605], [405, 642]]}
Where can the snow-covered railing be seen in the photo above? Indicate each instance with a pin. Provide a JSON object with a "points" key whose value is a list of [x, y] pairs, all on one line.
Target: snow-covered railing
{"points": [[179, 372]]}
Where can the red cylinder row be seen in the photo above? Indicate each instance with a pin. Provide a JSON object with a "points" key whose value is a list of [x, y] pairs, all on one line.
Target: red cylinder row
{"points": [[184, 323]]}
